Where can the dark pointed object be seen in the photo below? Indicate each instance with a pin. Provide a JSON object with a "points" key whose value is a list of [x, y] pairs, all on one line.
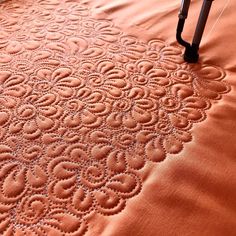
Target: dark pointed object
{"points": [[191, 54]]}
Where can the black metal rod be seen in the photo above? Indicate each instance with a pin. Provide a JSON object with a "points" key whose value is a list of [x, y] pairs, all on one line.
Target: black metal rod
{"points": [[206, 7], [185, 4], [191, 54]]}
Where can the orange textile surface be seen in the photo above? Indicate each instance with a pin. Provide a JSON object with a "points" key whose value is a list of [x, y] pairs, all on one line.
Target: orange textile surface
{"points": [[105, 130]]}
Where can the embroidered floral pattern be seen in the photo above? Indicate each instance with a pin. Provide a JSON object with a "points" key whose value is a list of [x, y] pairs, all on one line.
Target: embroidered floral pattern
{"points": [[83, 108]]}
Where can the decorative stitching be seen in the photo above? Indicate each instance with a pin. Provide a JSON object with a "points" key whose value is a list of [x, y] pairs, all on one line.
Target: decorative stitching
{"points": [[83, 107]]}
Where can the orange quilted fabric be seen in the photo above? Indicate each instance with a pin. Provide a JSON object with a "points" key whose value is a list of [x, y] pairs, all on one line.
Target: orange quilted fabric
{"points": [[84, 107]]}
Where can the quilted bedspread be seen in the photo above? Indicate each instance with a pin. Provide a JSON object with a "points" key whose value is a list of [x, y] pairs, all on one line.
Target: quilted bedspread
{"points": [[105, 130]]}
